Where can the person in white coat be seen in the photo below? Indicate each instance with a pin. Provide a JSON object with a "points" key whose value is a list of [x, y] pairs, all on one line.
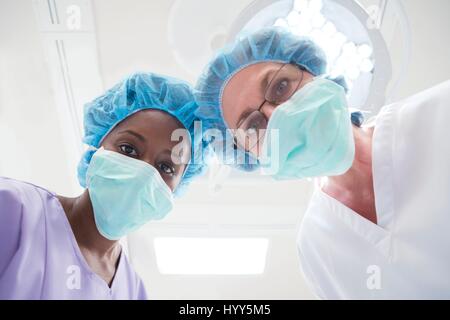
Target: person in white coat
{"points": [[377, 226], [403, 249]]}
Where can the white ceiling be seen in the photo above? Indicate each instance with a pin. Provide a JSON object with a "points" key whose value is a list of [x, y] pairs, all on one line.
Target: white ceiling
{"points": [[134, 35]]}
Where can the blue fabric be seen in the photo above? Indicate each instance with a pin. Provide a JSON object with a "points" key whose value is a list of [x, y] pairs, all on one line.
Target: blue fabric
{"points": [[269, 44], [126, 193], [138, 92]]}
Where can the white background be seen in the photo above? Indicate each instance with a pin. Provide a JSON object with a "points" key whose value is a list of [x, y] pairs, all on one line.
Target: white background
{"points": [[129, 36]]}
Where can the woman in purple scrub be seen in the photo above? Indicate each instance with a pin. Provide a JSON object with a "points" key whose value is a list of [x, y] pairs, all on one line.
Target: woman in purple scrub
{"points": [[54, 247]]}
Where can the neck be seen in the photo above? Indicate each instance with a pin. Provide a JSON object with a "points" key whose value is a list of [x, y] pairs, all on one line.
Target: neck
{"points": [[355, 187], [80, 214]]}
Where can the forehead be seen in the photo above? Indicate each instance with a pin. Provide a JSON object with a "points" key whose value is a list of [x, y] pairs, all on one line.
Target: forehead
{"points": [[143, 117], [155, 125], [245, 90]]}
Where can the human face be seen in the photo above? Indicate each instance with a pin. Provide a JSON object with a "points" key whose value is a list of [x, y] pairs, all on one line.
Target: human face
{"points": [[146, 136], [251, 96]]}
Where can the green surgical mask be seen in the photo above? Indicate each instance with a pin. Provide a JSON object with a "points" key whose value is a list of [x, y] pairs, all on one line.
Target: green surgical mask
{"points": [[125, 193], [310, 135]]}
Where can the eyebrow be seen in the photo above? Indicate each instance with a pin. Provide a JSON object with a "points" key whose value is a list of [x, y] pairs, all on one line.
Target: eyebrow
{"points": [[244, 115], [263, 88], [137, 135]]}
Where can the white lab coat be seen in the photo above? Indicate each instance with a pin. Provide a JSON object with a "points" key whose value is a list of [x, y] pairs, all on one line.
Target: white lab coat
{"points": [[407, 255]]}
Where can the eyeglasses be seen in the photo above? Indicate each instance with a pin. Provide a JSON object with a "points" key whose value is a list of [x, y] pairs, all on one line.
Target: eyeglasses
{"points": [[280, 89]]}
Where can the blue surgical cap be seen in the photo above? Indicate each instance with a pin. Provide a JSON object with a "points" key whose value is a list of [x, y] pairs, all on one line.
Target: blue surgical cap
{"points": [[273, 44], [138, 92]]}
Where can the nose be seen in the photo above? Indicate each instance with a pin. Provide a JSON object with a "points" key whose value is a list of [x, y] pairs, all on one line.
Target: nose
{"points": [[267, 110], [148, 158]]}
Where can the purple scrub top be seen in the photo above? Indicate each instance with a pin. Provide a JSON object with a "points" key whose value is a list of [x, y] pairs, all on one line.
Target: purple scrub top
{"points": [[40, 257]]}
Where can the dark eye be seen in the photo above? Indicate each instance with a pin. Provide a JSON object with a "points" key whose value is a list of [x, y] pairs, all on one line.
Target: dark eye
{"points": [[166, 169], [253, 126], [281, 88], [255, 122], [128, 150]]}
